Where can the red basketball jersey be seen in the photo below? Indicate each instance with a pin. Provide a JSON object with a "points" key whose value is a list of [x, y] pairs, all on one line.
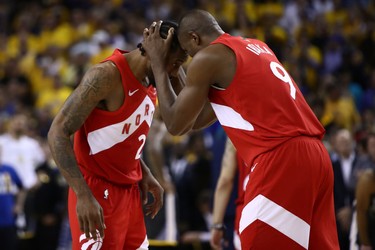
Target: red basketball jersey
{"points": [[109, 144], [243, 179], [262, 107]]}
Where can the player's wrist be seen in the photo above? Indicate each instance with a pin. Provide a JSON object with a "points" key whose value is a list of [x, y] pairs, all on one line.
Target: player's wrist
{"points": [[218, 226]]}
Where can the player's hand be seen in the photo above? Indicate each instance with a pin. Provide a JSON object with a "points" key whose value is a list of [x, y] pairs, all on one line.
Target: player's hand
{"points": [[216, 240], [90, 216], [149, 184], [155, 46]]}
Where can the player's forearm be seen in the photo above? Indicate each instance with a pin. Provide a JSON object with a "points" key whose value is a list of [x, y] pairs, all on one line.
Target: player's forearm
{"points": [[63, 154], [363, 227], [363, 202], [167, 98], [221, 199]]}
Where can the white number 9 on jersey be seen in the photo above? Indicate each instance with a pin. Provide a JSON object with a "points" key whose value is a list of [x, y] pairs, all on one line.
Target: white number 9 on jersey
{"points": [[283, 76]]}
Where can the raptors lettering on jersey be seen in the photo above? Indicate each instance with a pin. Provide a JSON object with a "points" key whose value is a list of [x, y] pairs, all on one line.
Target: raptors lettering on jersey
{"points": [[104, 138]]}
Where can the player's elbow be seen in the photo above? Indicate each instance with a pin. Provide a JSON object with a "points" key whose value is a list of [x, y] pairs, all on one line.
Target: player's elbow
{"points": [[177, 130], [55, 133], [52, 135]]}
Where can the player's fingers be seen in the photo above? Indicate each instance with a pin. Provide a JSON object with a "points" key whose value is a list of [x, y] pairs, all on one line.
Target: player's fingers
{"points": [[169, 38], [157, 27], [144, 198], [146, 33], [86, 229], [92, 228], [144, 192], [148, 209], [157, 204], [152, 28], [216, 239], [81, 224]]}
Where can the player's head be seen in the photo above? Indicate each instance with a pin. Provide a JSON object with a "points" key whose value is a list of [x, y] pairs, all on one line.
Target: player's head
{"points": [[177, 56], [197, 29], [164, 29]]}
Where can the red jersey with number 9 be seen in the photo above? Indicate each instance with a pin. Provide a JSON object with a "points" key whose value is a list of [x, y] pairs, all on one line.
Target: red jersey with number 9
{"points": [[109, 144], [262, 107]]}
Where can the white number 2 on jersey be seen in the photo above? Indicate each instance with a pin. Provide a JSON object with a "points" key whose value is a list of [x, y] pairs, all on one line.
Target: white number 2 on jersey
{"points": [[284, 76], [142, 139]]}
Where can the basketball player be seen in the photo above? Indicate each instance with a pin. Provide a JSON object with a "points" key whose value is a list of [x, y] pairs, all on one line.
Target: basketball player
{"points": [[110, 113], [231, 166], [288, 202]]}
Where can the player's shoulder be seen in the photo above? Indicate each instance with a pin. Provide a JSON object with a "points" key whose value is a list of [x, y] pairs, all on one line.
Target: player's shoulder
{"points": [[213, 56], [106, 68], [105, 72]]}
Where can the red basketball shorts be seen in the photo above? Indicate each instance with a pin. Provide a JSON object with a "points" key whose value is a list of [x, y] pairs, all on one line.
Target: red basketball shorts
{"points": [[289, 199], [123, 217]]}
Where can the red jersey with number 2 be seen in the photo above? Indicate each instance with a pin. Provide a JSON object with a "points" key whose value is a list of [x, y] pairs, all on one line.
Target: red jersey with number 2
{"points": [[109, 144], [262, 107]]}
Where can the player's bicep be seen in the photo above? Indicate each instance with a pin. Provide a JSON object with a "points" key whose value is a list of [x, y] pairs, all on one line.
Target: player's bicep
{"points": [[94, 87]]}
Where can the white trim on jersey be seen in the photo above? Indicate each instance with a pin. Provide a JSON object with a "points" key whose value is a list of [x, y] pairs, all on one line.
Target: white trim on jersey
{"points": [[230, 118], [263, 209], [106, 137], [144, 245], [245, 181], [236, 241]]}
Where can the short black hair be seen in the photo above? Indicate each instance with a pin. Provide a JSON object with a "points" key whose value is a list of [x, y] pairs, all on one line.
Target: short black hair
{"points": [[164, 28]]}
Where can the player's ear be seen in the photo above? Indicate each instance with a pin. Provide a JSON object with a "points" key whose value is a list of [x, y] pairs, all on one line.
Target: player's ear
{"points": [[194, 36]]}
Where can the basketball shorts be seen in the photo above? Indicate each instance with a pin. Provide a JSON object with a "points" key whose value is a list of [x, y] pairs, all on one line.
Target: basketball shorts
{"points": [[123, 217], [236, 235], [288, 200]]}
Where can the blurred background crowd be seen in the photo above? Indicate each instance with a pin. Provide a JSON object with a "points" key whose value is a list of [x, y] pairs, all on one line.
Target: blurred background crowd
{"points": [[47, 45]]}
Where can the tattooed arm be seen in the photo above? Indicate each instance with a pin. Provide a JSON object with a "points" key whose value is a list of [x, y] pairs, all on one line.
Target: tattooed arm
{"points": [[97, 85]]}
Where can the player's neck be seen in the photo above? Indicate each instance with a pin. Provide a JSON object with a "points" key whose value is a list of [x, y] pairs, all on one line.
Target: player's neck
{"points": [[139, 65]]}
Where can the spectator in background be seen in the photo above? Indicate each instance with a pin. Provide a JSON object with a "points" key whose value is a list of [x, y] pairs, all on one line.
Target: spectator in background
{"points": [[20, 150], [368, 101], [24, 153], [11, 204], [190, 169], [339, 110], [367, 161], [333, 57], [365, 196], [343, 162], [49, 204]]}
